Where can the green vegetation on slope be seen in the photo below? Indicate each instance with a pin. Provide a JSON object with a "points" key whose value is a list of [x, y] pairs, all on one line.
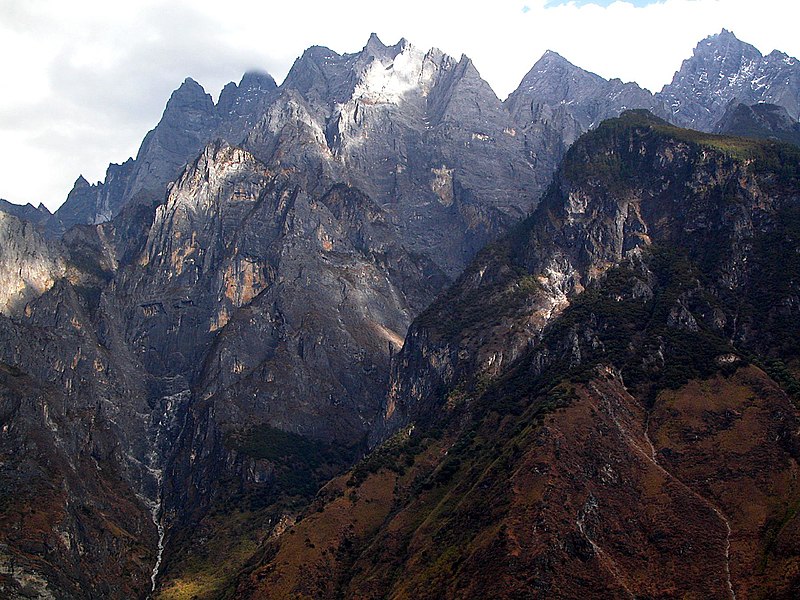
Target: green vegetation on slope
{"points": [[301, 464], [779, 159]]}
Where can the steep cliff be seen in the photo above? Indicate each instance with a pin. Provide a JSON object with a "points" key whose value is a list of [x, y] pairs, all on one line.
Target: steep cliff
{"points": [[212, 339], [418, 132], [79, 461], [765, 121], [722, 69], [601, 406], [190, 121], [29, 264]]}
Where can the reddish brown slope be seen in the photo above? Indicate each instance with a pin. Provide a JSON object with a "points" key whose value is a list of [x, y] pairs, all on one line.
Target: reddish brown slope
{"points": [[581, 505]]}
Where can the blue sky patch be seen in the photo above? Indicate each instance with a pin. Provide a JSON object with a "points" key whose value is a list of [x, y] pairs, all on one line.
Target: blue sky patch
{"points": [[639, 3]]}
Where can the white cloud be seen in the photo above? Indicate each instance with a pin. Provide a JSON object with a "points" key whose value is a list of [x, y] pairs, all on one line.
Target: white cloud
{"points": [[84, 80]]}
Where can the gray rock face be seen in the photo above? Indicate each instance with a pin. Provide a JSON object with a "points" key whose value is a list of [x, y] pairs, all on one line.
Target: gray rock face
{"points": [[92, 203], [722, 69], [29, 264], [766, 121], [556, 102], [240, 106], [79, 207], [210, 287], [559, 101], [595, 215], [79, 416], [189, 122], [276, 305], [419, 132], [186, 126], [587, 98], [33, 214]]}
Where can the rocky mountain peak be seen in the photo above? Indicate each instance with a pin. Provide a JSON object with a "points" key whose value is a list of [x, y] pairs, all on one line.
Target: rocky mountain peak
{"points": [[376, 48], [244, 102], [190, 96], [721, 68], [80, 183], [726, 36], [377, 74], [551, 59], [320, 74], [728, 51], [79, 207], [555, 95], [388, 75], [554, 79], [776, 56], [462, 93], [189, 88], [257, 80], [33, 214], [467, 67]]}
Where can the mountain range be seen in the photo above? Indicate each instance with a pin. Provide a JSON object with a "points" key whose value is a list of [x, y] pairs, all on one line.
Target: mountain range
{"points": [[376, 333]]}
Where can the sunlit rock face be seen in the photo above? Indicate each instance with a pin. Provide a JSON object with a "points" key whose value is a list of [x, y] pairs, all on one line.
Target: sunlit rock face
{"points": [[419, 132], [212, 337], [190, 121], [29, 265], [603, 405]]}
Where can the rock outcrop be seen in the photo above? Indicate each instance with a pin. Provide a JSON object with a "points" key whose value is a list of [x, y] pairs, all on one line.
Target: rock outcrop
{"points": [[569, 417], [723, 69], [212, 337], [765, 121], [34, 214], [29, 264], [418, 132], [190, 121]]}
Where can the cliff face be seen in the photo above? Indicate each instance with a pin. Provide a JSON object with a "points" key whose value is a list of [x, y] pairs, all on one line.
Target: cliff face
{"points": [[418, 132], [764, 121], [180, 380], [190, 121], [556, 84], [571, 414], [79, 470], [29, 264], [630, 194], [263, 293], [722, 69]]}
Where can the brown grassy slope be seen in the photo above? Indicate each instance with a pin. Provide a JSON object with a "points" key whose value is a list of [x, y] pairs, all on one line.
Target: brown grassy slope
{"points": [[575, 504]]}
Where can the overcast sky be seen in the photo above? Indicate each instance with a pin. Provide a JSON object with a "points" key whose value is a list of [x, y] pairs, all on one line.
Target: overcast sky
{"points": [[84, 80]]}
